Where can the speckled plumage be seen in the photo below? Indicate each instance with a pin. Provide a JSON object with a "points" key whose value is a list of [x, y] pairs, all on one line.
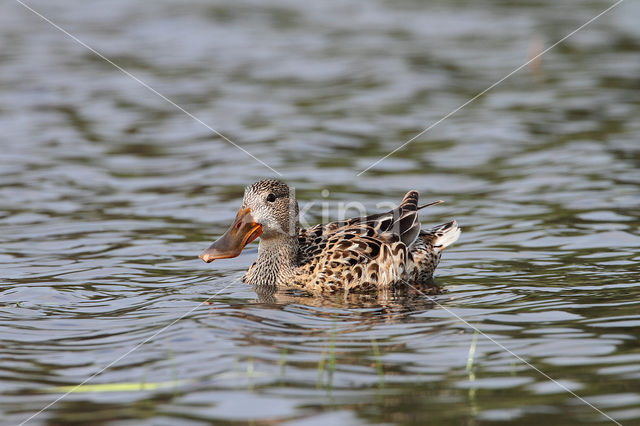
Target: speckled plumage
{"points": [[360, 254]]}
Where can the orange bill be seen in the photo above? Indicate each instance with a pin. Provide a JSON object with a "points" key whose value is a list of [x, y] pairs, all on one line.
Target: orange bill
{"points": [[242, 232]]}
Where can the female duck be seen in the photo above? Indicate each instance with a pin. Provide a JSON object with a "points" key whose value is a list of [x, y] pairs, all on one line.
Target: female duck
{"points": [[359, 254]]}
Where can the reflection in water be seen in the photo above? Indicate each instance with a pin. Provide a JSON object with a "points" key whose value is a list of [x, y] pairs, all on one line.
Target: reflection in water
{"points": [[108, 193], [389, 300]]}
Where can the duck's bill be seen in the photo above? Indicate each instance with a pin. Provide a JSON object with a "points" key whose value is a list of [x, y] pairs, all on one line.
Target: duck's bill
{"points": [[242, 232]]}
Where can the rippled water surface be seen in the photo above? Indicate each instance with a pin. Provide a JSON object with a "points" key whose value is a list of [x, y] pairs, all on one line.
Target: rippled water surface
{"points": [[108, 193]]}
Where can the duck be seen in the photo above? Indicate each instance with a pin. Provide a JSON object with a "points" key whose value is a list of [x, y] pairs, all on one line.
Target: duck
{"points": [[360, 254]]}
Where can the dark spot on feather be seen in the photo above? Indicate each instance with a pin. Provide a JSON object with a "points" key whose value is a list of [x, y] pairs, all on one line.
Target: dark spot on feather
{"points": [[386, 224], [374, 248], [344, 245]]}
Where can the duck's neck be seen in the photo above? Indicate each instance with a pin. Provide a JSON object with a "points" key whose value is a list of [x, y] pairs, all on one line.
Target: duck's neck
{"points": [[276, 263]]}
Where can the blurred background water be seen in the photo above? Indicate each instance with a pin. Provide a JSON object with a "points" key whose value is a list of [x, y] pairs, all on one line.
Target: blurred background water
{"points": [[108, 193]]}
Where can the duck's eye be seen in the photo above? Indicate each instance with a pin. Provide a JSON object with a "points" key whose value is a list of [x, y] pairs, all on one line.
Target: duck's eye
{"points": [[271, 198]]}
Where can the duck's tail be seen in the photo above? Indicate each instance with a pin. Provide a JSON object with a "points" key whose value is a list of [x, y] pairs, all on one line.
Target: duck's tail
{"points": [[444, 235]]}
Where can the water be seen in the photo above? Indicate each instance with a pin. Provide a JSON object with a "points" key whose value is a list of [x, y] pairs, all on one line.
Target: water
{"points": [[108, 193]]}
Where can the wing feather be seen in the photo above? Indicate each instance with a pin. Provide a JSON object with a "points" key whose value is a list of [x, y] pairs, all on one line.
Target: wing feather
{"points": [[363, 251]]}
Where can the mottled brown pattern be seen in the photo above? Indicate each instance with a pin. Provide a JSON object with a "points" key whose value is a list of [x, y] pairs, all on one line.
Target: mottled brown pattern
{"points": [[360, 254]]}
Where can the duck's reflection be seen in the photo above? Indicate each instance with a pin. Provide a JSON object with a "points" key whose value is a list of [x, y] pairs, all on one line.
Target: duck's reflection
{"points": [[402, 300]]}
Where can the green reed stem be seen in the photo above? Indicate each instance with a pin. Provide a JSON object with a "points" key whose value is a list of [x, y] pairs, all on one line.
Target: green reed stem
{"points": [[378, 358]]}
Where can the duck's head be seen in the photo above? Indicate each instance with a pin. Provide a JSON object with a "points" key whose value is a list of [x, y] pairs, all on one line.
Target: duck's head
{"points": [[269, 210]]}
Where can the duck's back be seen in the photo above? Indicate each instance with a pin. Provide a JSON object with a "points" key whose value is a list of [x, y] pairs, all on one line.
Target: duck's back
{"points": [[351, 258], [362, 254]]}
